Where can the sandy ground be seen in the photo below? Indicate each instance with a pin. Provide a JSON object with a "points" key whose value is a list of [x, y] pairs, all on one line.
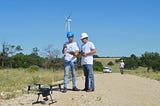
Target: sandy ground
{"points": [[112, 89]]}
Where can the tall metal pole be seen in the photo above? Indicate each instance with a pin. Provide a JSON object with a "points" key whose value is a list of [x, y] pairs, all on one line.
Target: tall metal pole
{"points": [[68, 23]]}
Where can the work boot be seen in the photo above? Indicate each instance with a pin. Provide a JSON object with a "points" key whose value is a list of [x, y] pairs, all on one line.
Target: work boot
{"points": [[75, 89], [64, 90], [90, 90], [84, 89]]}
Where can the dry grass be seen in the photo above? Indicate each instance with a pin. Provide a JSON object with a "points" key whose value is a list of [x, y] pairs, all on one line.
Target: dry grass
{"points": [[141, 71], [14, 82]]}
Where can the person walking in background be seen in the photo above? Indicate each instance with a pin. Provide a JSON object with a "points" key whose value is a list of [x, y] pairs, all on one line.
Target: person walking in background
{"points": [[87, 51], [70, 51], [121, 66]]}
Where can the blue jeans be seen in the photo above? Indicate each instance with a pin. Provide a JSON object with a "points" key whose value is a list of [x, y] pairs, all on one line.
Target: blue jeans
{"points": [[67, 66], [89, 76]]}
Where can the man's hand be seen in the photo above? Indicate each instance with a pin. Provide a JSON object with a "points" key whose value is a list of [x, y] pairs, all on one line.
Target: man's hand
{"points": [[72, 53], [64, 48], [89, 53], [84, 54]]}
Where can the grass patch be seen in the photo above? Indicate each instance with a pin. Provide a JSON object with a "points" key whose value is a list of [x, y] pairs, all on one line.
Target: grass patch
{"points": [[14, 82], [16, 79], [142, 72]]}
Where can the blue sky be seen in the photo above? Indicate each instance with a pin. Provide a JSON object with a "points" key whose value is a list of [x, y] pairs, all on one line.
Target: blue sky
{"points": [[117, 27]]}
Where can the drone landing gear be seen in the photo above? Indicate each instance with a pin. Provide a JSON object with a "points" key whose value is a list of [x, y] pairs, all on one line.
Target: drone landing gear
{"points": [[45, 92]]}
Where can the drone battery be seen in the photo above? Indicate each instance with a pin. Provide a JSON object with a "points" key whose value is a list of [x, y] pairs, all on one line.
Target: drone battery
{"points": [[45, 91]]}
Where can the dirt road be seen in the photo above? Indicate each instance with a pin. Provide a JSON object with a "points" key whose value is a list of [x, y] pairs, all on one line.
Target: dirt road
{"points": [[112, 89]]}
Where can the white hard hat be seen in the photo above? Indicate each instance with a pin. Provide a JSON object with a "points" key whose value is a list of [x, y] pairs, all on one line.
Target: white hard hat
{"points": [[84, 35]]}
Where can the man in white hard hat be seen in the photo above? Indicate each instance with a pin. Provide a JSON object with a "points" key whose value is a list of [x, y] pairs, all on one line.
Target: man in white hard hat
{"points": [[87, 51], [70, 51]]}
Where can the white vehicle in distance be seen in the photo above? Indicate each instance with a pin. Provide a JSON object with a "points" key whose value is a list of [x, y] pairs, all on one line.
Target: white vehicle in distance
{"points": [[107, 70]]}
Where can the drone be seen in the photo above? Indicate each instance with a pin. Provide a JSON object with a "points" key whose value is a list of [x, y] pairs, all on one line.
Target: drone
{"points": [[44, 91]]}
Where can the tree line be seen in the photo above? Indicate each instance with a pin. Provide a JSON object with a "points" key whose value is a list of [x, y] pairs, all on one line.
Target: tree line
{"points": [[11, 56], [151, 60]]}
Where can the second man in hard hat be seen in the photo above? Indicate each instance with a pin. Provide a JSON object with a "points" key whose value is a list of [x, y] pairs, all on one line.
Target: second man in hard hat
{"points": [[87, 51]]}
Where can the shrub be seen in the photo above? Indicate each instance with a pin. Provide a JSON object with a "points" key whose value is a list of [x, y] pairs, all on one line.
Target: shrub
{"points": [[131, 64], [97, 66], [32, 69], [155, 65], [117, 60], [110, 63], [151, 60]]}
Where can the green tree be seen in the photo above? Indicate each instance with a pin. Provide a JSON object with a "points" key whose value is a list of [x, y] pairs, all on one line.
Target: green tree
{"points": [[151, 60], [25, 61], [7, 50], [18, 60], [131, 62], [95, 56], [97, 66], [34, 59], [35, 51]]}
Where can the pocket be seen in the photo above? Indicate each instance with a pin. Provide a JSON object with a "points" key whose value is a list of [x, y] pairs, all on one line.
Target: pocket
{"points": [[75, 63]]}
